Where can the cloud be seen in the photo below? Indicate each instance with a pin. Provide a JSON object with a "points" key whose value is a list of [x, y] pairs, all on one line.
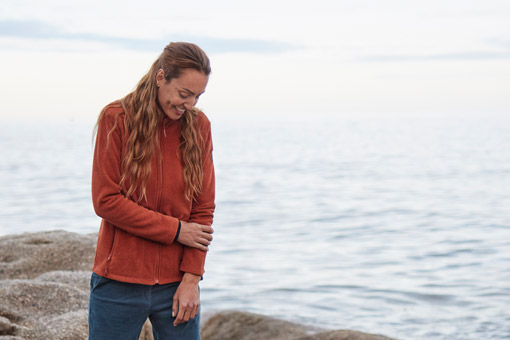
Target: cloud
{"points": [[461, 56], [42, 30]]}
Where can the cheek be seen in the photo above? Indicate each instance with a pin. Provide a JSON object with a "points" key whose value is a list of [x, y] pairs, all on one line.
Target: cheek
{"points": [[172, 98], [161, 97], [166, 98]]}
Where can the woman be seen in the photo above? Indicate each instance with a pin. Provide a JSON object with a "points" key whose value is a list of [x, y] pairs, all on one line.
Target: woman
{"points": [[153, 186]]}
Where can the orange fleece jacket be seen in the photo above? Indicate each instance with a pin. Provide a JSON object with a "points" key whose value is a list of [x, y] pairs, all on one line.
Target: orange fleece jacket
{"points": [[136, 240]]}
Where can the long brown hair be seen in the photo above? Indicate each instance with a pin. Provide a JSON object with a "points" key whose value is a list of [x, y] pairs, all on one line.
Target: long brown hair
{"points": [[143, 115]]}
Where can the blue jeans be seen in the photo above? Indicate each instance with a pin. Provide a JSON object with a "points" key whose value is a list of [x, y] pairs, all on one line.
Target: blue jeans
{"points": [[118, 310]]}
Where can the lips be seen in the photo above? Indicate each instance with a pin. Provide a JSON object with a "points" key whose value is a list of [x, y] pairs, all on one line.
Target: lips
{"points": [[179, 111]]}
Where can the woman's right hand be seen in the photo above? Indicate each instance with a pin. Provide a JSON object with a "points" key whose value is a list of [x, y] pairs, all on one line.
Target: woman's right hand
{"points": [[195, 235]]}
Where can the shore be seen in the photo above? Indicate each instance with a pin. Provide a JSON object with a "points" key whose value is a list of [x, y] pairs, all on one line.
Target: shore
{"points": [[44, 288]]}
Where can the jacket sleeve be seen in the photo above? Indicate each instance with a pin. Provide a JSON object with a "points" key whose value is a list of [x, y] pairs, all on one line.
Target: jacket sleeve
{"points": [[202, 210], [107, 195]]}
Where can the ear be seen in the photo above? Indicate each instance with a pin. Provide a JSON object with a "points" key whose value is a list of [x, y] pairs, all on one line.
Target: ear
{"points": [[160, 77]]}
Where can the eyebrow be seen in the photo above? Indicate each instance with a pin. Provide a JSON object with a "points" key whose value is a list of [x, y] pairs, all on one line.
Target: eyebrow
{"points": [[189, 91]]}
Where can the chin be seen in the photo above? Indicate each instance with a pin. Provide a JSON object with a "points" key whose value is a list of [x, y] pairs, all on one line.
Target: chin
{"points": [[174, 116]]}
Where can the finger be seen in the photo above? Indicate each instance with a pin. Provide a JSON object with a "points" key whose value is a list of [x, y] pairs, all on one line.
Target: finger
{"points": [[201, 246], [192, 312], [207, 228], [204, 241], [175, 307], [196, 310], [207, 236], [187, 315], [179, 318], [184, 316]]}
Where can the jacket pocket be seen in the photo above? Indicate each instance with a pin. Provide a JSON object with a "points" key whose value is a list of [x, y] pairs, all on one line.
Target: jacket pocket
{"points": [[110, 254], [133, 258]]}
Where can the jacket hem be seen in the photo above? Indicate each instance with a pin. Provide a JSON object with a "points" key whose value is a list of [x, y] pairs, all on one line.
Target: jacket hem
{"points": [[137, 280]]}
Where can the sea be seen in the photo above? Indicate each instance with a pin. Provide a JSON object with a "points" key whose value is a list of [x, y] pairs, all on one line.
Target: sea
{"points": [[396, 225]]}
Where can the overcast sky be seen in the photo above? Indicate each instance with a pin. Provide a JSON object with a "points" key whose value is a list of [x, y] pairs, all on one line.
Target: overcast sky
{"points": [[447, 57]]}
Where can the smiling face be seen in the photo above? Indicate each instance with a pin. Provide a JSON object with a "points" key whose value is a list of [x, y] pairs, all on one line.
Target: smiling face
{"points": [[180, 94]]}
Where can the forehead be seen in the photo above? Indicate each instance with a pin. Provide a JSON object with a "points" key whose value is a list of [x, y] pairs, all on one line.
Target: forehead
{"points": [[192, 80]]}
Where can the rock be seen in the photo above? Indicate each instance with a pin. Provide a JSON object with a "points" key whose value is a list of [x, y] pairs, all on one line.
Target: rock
{"points": [[146, 333], [248, 326], [30, 298], [28, 255], [78, 279], [344, 335], [43, 310], [67, 326], [6, 326], [44, 286]]}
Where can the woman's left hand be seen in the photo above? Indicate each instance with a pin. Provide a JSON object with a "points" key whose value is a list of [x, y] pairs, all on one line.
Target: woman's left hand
{"points": [[186, 301]]}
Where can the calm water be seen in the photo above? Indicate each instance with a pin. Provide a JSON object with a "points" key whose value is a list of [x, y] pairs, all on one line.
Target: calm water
{"points": [[396, 226]]}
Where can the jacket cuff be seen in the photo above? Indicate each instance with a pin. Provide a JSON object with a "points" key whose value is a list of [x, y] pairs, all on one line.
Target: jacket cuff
{"points": [[178, 232]]}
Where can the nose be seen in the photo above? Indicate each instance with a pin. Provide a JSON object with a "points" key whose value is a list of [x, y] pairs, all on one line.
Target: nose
{"points": [[188, 105]]}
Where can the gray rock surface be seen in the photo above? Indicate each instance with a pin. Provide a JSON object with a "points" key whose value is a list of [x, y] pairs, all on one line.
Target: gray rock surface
{"points": [[236, 325], [44, 280], [78, 279], [44, 290], [344, 335], [248, 326], [44, 286], [34, 309], [27, 256]]}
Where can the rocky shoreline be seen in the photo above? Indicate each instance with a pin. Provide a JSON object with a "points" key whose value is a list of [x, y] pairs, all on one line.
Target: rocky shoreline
{"points": [[44, 288]]}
